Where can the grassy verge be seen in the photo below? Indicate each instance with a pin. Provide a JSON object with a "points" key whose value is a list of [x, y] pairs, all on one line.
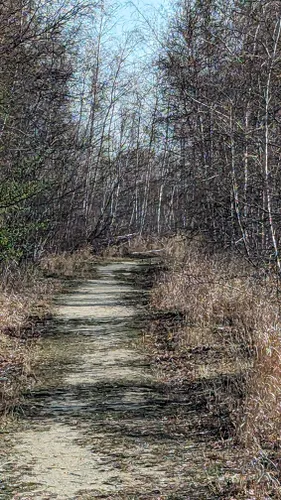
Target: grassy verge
{"points": [[216, 332], [26, 300]]}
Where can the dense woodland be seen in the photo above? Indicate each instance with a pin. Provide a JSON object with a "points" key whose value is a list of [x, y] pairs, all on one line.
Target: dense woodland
{"points": [[163, 128], [93, 146]]}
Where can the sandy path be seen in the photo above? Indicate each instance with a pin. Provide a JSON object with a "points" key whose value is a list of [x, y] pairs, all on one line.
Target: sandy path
{"points": [[100, 425], [84, 423]]}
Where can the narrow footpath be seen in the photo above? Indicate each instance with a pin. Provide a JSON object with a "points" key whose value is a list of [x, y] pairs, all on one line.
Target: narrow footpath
{"points": [[98, 423]]}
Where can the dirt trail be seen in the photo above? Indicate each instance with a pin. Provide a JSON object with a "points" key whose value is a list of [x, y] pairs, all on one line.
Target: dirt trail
{"points": [[99, 424], [85, 423]]}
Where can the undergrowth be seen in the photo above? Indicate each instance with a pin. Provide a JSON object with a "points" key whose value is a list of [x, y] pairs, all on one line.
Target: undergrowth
{"points": [[218, 319], [65, 264], [145, 246], [25, 299], [216, 329]]}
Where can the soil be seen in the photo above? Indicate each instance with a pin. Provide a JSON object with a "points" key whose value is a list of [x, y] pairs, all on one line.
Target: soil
{"points": [[100, 423]]}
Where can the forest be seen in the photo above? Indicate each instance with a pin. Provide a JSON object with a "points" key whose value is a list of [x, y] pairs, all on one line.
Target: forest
{"points": [[106, 150], [91, 150]]}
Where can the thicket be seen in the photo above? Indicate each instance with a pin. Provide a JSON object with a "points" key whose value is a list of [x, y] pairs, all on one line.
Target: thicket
{"points": [[38, 157], [90, 151], [220, 68]]}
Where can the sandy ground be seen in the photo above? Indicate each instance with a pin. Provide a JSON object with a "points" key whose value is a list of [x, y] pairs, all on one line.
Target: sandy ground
{"points": [[69, 448], [99, 424]]}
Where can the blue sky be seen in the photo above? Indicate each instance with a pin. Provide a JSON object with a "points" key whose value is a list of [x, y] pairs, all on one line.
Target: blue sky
{"points": [[132, 11], [149, 7], [149, 16]]}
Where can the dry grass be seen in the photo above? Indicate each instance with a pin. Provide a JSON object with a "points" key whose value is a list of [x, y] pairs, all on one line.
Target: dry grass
{"points": [[227, 328], [25, 299], [169, 246], [15, 371], [69, 264]]}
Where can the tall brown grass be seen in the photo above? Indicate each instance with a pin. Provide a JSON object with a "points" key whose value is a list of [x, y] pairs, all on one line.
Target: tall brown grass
{"points": [[225, 297], [168, 246], [66, 264], [25, 299]]}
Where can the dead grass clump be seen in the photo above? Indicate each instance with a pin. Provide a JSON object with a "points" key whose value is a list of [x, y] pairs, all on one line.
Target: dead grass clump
{"points": [[170, 247], [68, 264], [140, 244], [211, 294], [25, 299], [261, 412], [15, 371]]}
